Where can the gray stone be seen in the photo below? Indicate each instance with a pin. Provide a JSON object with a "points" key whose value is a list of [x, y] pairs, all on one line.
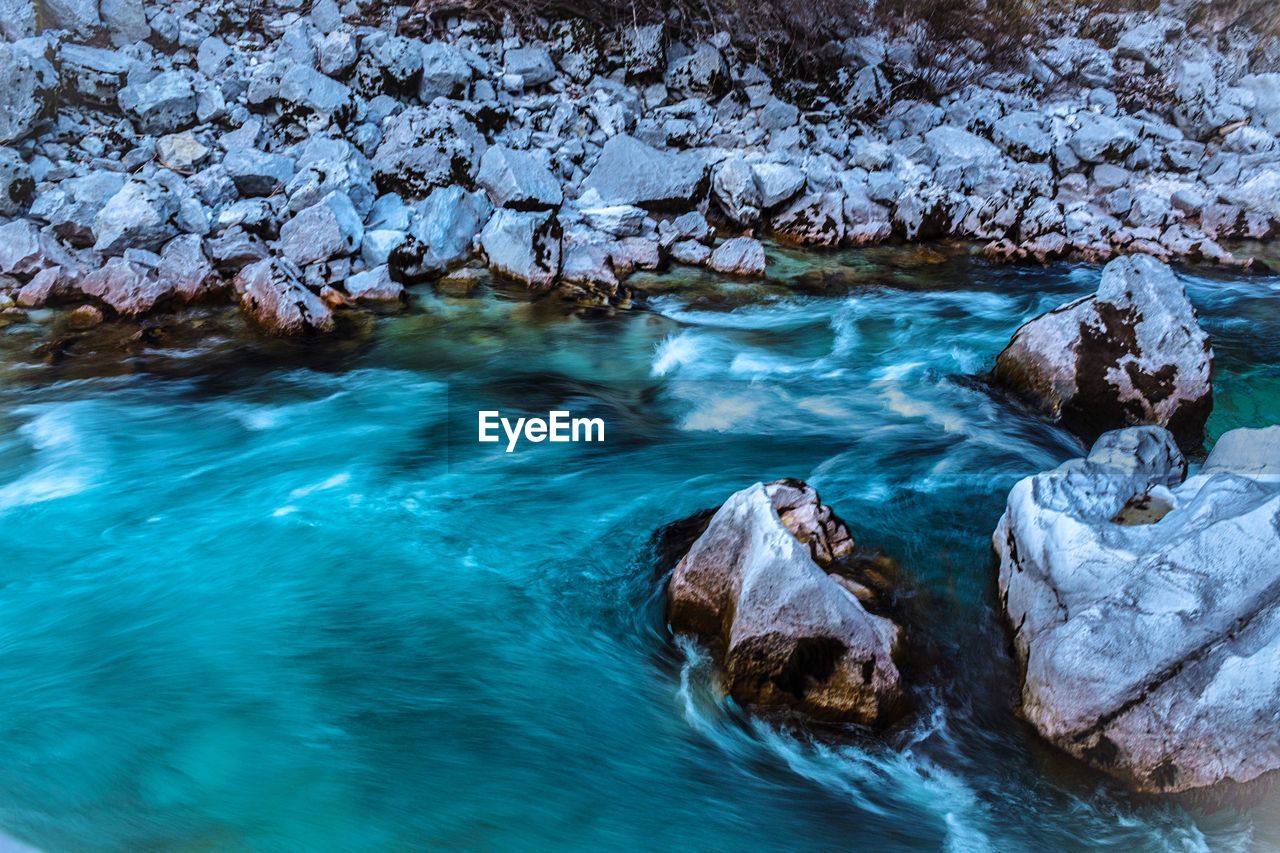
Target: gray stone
{"points": [[314, 99], [330, 228], [1144, 609], [532, 64], [257, 173], [185, 270], [734, 188], [523, 245], [271, 292], [518, 179], [690, 252], [129, 288], [1023, 135], [703, 72], [73, 204], [643, 52], [1265, 89], [93, 74], [1101, 138], [388, 65], [28, 95], [814, 219], [125, 20], [427, 147], [755, 585], [337, 53], [17, 19], [79, 16], [374, 285], [141, 215], [164, 104], [445, 72], [16, 184], [778, 115], [739, 256], [777, 183], [1133, 353], [631, 172], [328, 165], [443, 230], [620, 220]]}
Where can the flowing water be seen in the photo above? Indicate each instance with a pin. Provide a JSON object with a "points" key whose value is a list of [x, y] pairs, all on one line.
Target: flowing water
{"points": [[275, 597]]}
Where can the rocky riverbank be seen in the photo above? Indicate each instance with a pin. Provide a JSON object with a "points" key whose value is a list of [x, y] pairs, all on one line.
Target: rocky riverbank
{"points": [[303, 157]]}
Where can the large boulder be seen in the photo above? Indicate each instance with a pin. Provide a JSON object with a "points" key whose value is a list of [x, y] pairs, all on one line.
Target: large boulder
{"points": [[427, 147], [738, 256], [271, 292], [1132, 353], [755, 585], [27, 95], [164, 104], [441, 233], [72, 206], [330, 228], [524, 245], [139, 216], [1145, 610], [631, 172], [813, 219], [518, 179]]}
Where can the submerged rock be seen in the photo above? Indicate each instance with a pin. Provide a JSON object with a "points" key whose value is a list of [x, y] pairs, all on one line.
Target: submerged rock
{"points": [[1132, 353], [1146, 607], [755, 584]]}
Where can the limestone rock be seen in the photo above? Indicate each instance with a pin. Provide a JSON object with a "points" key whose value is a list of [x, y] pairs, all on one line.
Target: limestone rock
{"points": [[1132, 353], [738, 256], [788, 634], [1145, 607], [631, 172], [518, 179], [271, 292], [524, 245]]}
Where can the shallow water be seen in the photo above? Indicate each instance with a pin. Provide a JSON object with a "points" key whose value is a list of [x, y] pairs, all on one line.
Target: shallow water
{"points": [[264, 596]]}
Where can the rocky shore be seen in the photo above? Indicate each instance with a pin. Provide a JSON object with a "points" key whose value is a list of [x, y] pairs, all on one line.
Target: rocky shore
{"points": [[301, 157]]}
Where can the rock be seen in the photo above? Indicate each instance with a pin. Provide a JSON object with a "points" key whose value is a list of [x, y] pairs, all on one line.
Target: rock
{"points": [[442, 232], [16, 184], [777, 183], [185, 270], [445, 72], [588, 264], [93, 74], [79, 16], [787, 633], [1133, 353], [139, 216], [72, 206], [17, 19], [866, 222], [954, 145], [1265, 91], [337, 54], [330, 228], [778, 115], [620, 220], [85, 317], [643, 51], [27, 96], [631, 172], [427, 147], [181, 152], [45, 286], [257, 173], [1144, 607], [524, 245], [374, 285], [635, 253], [130, 289], [331, 165], [125, 20], [1023, 135], [24, 250], [687, 226], [164, 104], [734, 188], [312, 99], [702, 73], [388, 64], [531, 64], [271, 292], [690, 252], [814, 219], [518, 179], [738, 256]]}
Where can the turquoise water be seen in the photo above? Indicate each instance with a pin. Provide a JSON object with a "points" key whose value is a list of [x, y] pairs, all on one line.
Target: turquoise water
{"points": [[271, 596]]}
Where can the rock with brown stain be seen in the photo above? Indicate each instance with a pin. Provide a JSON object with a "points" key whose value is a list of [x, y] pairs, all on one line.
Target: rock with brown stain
{"points": [[1145, 607], [1133, 353], [755, 585]]}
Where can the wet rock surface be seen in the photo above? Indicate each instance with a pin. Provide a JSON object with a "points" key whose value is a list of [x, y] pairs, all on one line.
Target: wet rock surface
{"points": [[1144, 607], [1133, 353], [789, 635]]}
